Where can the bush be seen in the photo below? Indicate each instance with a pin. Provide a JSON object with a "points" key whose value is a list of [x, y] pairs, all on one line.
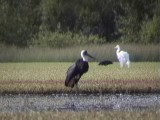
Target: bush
{"points": [[60, 40], [151, 31]]}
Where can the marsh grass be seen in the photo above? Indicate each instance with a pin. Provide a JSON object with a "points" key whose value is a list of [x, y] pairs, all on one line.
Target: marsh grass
{"points": [[86, 115], [101, 52], [49, 78]]}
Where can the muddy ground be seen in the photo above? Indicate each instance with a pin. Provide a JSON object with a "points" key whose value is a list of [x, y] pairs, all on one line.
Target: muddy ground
{"points": [[78, 102]]}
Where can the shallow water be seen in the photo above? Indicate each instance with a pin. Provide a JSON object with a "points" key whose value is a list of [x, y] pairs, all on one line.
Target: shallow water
{"points": [[78, 102]]}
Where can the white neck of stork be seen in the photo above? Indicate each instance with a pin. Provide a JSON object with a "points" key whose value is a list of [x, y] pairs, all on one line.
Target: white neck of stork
{"points": [[84, 55]]}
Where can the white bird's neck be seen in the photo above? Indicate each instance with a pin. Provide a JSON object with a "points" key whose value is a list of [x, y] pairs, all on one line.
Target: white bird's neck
{"points": [[118, 50]]}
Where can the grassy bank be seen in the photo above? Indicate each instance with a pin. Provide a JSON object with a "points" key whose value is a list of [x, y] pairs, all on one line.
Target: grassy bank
{"points": [[49, 78], [139, 115], [34, 54]]}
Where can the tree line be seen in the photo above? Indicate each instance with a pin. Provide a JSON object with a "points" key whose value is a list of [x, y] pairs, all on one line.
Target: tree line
{"points": [[51, 22]]}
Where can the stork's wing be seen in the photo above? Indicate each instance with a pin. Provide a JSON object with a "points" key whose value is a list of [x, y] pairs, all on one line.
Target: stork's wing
{"points": [[72, 76], [71, 69]]}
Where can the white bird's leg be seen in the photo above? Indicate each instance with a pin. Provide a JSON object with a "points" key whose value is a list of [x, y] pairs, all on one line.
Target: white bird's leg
{"points": [[121, 64], [128, 64]]}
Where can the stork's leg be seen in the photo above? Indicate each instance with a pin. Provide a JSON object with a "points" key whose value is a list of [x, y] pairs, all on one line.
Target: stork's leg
{"points": [[76, 86], [76, 81]]}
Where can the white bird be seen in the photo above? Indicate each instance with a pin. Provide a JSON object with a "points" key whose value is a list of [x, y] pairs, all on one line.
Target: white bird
{"points": [[123, 57]]}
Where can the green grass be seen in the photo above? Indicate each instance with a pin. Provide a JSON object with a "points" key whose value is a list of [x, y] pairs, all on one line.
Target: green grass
{"points": [[46, 77], [88, 115]]}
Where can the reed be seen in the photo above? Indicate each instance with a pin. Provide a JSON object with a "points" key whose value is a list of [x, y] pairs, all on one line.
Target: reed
{"points": [[137, 52]]}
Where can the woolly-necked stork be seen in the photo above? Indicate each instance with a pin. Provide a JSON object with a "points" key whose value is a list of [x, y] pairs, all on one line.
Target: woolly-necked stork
{"points": [[75, 71]]}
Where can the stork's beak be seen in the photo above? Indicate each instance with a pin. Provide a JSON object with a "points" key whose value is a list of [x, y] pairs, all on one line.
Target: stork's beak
{"points": [[90, 56]]}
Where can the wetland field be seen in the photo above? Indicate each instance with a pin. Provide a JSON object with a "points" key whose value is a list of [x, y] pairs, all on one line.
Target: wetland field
{"points": [[36, 90], [49, 78]]}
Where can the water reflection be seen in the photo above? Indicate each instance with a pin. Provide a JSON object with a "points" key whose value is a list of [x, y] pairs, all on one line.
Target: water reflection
{"points": [[78, 102]]}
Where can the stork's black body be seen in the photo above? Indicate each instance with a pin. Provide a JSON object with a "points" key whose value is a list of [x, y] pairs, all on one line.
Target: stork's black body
{"points": [[105, 62], [75, 72]]}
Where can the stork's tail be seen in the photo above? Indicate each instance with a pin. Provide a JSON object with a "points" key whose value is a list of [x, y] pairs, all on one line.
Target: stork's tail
{"points": [[69, 83]]}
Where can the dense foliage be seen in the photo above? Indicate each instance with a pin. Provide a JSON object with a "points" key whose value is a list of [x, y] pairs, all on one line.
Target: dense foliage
{"points": [[50, 22]]}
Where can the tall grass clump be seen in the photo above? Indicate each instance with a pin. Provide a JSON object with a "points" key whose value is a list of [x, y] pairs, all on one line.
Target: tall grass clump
{"points": [[138, 52]]}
